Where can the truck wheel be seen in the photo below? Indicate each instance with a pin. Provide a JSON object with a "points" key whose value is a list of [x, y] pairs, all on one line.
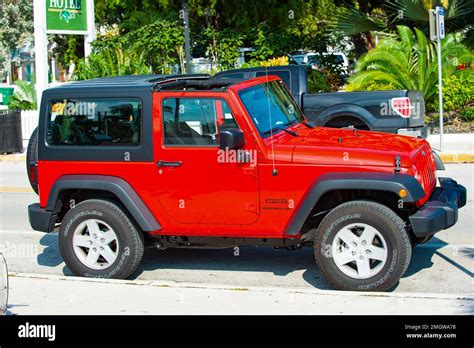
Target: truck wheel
{"points": [[362, 246], [98, 240], [347, 121], [32, 156]]}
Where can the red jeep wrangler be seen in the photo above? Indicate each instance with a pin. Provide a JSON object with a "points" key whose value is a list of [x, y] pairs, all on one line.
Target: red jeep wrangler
{"points": [[188, 161]]}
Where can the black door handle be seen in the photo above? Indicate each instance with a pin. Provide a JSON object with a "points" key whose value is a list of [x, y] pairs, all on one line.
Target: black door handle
{"points": [[175, 164]]}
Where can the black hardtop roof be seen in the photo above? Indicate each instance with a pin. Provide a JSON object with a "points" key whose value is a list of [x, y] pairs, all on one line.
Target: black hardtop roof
{"points": [[151, 82], [129, 80]]}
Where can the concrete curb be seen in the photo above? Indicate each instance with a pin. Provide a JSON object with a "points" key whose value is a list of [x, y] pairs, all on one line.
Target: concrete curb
{"points": [[13, 158], [457, 157], [445, 157]]}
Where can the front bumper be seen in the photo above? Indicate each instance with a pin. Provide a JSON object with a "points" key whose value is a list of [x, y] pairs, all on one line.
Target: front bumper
{"points": [[41, 219], [441, 210]]}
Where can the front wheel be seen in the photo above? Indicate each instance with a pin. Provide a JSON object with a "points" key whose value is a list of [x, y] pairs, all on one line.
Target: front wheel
{"points": [[362, 246], [98, 240]]}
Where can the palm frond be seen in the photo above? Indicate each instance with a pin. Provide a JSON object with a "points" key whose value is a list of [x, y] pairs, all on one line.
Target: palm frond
{"points": [[352, 22], [410, 10]]}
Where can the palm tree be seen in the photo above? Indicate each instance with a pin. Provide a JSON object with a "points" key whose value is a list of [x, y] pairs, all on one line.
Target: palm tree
{"points": [[409, 61], [458, 13], [459, 16], [24, 97]]}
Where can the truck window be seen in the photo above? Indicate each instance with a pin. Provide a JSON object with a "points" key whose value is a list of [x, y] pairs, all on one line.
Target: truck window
{"points": [[94, 122], [284, 75], [195, 121]]}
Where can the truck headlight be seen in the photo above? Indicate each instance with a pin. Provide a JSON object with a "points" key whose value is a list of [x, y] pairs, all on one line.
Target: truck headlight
{"points": [[438, 161]]}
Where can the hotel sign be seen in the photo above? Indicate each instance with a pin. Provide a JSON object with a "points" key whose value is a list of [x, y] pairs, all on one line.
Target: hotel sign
{"points": [[66, 17]]}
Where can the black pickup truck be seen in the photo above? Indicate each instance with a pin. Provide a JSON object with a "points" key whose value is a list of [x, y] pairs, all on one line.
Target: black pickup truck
{"points": [[399, 112]]}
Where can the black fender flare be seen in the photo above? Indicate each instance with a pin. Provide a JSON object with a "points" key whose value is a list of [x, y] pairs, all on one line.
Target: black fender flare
{"points": [[339, 181], [346, 110], [117, 186]]}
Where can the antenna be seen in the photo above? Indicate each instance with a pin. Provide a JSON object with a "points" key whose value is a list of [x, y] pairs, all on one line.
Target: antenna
{"points": [[274, 170]]}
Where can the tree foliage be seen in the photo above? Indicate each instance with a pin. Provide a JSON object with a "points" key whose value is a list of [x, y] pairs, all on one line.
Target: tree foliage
{"points": [[111, 62], [16, 28], [409, 61], [16, 23], [24, 97], [364, 17]]}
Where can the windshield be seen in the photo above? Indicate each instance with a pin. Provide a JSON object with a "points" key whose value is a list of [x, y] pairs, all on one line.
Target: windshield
{"points": [[298, 59], [271, 107]]}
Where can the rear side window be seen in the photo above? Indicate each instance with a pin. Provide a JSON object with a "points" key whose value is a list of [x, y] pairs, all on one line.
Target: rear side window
{"points": [[94, 122], [195, 121]]}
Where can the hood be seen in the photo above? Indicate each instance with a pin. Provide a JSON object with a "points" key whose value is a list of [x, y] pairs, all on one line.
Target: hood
{"points": [[332, 146]]}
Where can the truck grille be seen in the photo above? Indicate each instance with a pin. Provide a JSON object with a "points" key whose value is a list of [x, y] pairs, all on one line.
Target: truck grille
{"points": [[426, 168]]}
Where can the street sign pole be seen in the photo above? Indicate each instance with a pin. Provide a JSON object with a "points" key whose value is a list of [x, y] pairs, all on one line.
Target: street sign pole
{"points": [[439, 36], [41, 49]]}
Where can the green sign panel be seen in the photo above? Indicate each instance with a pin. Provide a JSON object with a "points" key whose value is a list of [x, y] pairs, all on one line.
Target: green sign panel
{"points": [[66, 16]]}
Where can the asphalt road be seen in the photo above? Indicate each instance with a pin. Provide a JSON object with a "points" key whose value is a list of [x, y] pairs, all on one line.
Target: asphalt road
{"points": [[445, 265]]}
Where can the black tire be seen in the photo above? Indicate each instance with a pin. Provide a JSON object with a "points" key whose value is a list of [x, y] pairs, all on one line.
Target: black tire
{"points": [[386, 222], [130, 240], [32, 156], [347, 121]]}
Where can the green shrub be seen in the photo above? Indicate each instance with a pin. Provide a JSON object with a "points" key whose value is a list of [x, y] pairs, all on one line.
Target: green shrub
{"points": [[317, 82], [458, 92], [372, 86]]}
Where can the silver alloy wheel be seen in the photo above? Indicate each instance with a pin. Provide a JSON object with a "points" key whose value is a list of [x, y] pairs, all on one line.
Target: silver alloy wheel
{"points": [[95, 244], [359, 250]]}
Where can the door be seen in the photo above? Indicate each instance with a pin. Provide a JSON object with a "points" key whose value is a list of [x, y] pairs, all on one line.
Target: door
{"points": [[196, 181]]}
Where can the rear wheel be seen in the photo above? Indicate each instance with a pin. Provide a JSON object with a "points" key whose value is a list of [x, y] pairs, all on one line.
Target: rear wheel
{"points": [[362, 245], [97, 239], [347, 121]]}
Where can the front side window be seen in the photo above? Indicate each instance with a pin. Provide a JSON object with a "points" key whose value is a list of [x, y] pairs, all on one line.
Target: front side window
{"points": [[195, 121], [271, 107], [94, 122]]}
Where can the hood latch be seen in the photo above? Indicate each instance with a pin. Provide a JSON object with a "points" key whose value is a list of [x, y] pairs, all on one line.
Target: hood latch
{"points": [[398, 164]]}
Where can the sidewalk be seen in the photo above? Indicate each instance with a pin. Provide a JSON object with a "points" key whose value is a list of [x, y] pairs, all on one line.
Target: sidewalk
{"points": [[71, 295], [457, 148]]}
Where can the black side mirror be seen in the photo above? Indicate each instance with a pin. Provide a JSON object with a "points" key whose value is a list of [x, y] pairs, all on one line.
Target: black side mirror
{"points": [[231, 139]]}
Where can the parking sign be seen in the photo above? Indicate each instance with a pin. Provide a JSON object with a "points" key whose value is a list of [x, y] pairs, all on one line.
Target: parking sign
{"points": [[440, 15]]}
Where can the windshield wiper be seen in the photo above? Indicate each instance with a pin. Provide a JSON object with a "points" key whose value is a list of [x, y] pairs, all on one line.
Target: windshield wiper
{"points": [[307, 124], [278, 129]]}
